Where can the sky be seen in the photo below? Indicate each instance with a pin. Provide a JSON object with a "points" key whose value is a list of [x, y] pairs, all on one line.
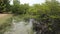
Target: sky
{"points": [[31, 2]]}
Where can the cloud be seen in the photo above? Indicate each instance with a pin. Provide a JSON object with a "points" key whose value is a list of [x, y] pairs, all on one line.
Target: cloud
{"points": [[31, 2]]}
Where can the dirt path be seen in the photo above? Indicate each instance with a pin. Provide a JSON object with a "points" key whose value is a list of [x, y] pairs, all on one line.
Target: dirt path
{"points": [[3, 15]]}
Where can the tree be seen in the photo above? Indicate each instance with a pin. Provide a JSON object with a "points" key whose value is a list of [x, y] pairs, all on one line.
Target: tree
{"points": [[48, 17], [4, 6]]}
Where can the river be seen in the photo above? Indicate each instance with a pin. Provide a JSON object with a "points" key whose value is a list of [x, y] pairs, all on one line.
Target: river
{"points": [[21, 27]]}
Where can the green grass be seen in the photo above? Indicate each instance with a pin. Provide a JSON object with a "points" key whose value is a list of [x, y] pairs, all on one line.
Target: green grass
{"points": [[3, 19]]}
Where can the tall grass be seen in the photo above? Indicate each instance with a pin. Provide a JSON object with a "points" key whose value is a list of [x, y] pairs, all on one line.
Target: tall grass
{"points": [[5, 23]]}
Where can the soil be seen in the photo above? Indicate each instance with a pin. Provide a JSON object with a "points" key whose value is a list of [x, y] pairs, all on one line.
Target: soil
{"points": [[3, 15]]}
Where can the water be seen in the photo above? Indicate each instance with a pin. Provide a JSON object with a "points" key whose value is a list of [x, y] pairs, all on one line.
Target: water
{"points": [[21, 28]]}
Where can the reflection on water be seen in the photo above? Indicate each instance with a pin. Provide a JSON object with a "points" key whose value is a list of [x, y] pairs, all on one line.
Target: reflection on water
{"points": [[21, 28]]}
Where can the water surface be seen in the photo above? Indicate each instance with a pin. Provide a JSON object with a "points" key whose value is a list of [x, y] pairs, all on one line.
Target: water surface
{"points": [[21, 27]]}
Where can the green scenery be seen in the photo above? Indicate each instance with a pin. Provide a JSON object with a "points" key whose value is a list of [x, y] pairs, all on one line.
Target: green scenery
{"points": [[5, 23], [46, 15], [4, 18]]}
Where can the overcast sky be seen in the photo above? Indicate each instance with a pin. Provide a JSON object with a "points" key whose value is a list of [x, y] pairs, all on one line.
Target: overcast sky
{"points": [[31, 2]]}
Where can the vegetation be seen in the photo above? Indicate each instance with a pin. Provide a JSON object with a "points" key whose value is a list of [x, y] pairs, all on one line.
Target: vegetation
{"points": [[4, 6], [46, 14], [4, 18], [5, 23]]}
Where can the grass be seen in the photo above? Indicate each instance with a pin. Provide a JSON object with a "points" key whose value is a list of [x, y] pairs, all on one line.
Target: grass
{"points": [[5, 22], [4, 18]]}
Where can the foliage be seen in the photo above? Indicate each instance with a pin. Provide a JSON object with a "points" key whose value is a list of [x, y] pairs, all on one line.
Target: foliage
{"points": [[46, 14], [48, 18], [4, 6], [19, 8]]}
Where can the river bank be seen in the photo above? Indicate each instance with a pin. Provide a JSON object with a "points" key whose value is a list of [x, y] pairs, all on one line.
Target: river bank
{"points": [[5, 22], [4, 17]]}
